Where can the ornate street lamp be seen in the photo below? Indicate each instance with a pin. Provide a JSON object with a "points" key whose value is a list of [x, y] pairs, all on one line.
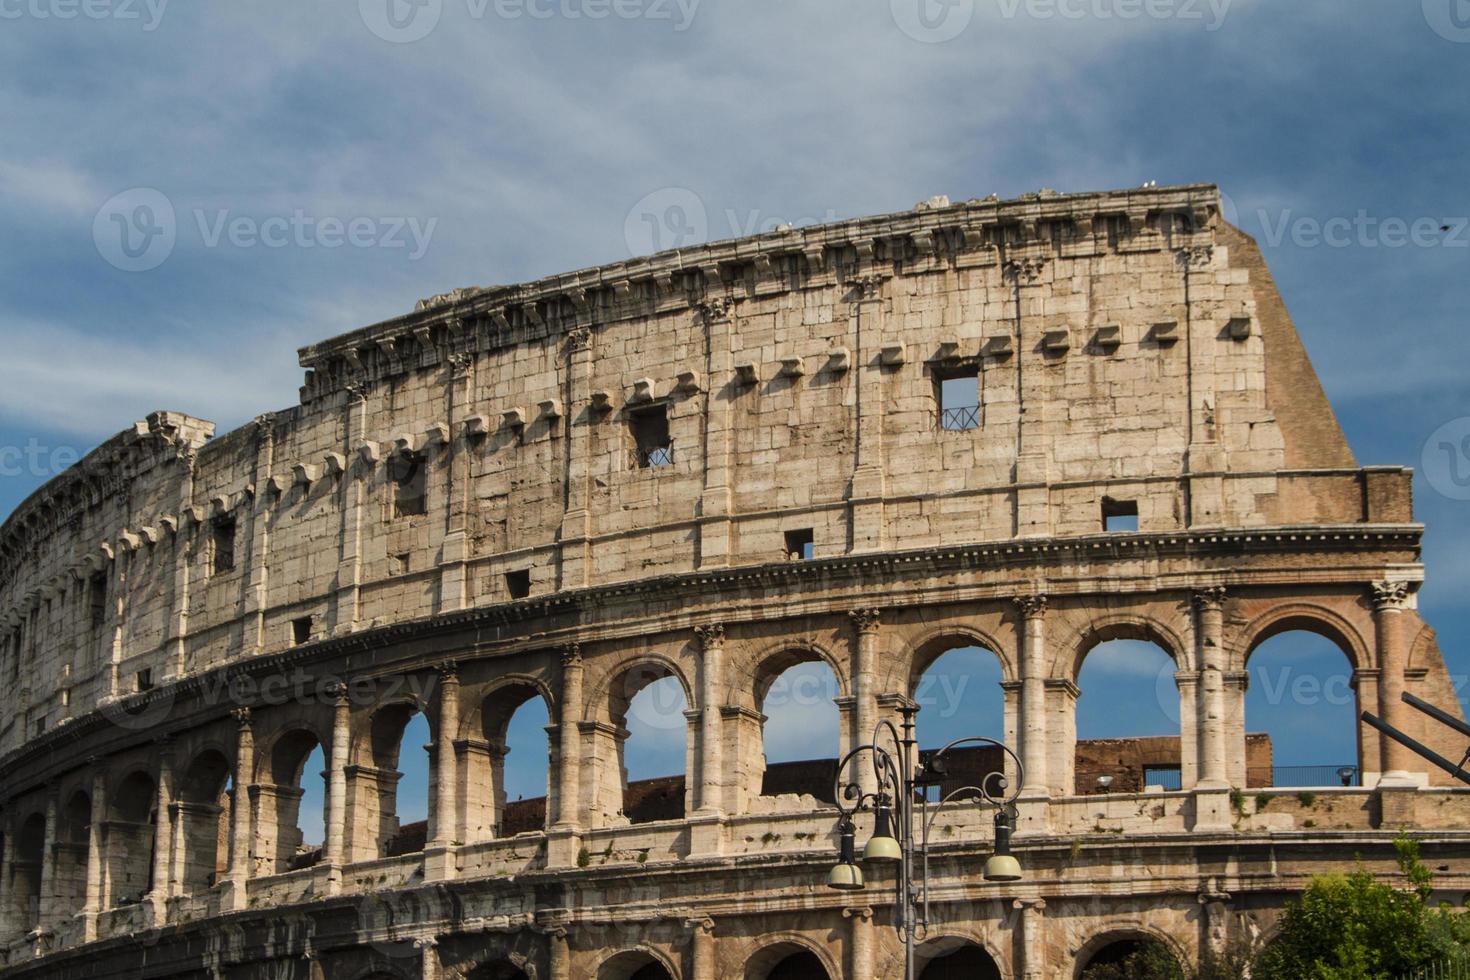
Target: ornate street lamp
{"points": [[902, 780]]}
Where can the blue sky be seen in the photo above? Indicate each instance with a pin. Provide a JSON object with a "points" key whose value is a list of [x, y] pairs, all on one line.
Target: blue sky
{"points": [[321, 177]]}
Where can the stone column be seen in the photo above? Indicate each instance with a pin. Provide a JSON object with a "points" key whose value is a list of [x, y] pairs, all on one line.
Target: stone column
{"points": [[9, 927], [568, 774], [1033, 950], [95, 853], [1236, 684], [1187, 681], [575, 564], [1034, 784], [47, 913], [868, 485], [702, 949], [1212, 902], [241, 825], [711, 674], [1390, 599], [1209, 606], [439, 860], [333, 849], [860, 942], [162, 834], [865, 705], [428, 948], [561, 955]]}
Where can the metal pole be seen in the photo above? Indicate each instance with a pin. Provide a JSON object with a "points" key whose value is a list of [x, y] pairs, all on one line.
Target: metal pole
{"points": [[908, 837]]}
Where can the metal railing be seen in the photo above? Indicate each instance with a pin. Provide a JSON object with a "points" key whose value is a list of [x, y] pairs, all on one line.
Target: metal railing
{"points": [[652, 457], [960, 418], [1453, 968], [1316, 776], [1168, 777]]}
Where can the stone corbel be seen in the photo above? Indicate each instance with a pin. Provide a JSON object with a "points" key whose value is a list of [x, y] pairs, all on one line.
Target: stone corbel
{"points": [[128, 541], [550, 409], [335, 463], [601, 402], [150, 534], [513, 417], [999, 346], [219, 507], [1239, 328], [791, 367], [404, 444], [746, 374], [501, 321], [370, 453], [476, 427], [688, 382], [642, 392], [923, 242], [1165, 334], [815, 258], [436, 434], [1057, 341], [170, 524], [839, 360], [892, 356], [305, 474]]}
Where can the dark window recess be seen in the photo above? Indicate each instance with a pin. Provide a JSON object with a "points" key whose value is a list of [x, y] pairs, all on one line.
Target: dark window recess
{"points": [[144, 679], [958, 392], [301, 630], [1119, 515], [40, 726], [799, 544], [224, 545], [97, 598], [652, 446], [518, 583], [410, 475]]}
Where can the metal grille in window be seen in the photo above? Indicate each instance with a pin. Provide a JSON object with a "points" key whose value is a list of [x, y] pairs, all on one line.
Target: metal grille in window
{"points": [[960, 418], [652, 457]]}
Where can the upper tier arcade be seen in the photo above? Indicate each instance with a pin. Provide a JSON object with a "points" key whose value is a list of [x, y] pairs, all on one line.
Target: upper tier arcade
{"points": [[983, 372]]}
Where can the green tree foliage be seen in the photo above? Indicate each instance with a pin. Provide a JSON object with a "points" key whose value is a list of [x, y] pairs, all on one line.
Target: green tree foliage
{"points": [[1354, 927], [1144, 960]]}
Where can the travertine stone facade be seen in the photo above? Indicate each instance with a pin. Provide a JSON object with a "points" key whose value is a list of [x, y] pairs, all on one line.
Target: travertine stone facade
{"points": [[572, 488]]}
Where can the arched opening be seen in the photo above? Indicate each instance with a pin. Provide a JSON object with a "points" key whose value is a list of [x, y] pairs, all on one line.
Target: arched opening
{"points": [[634, 965], [25, 871], [1128, 720], [499, 970], [130, 839], [292, 815], [204, 814], [647, 705], [952, 960], [1132, 958], [507, 770], [71, 852], [390, 792], [1300, 694], [785, 961], [801, 736], [960, 694]]}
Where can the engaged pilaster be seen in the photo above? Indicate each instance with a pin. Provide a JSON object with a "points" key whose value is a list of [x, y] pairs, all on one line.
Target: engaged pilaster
{"points": [[337, 789], [1390, 601], [865, 623], [1034, 783], [439, 858], [241, 824]]}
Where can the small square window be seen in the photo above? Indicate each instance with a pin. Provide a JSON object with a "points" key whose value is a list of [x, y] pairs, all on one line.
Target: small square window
{"points": [[518, 583], [958, 392], [800, 545], [652, 445], [1119, 516], [143, 681], [301, 630], [410, 475], [224, 545]]}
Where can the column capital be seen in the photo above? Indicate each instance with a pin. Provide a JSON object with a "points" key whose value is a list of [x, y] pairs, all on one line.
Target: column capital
{"points": [[862, 912], [1027, 904], [448, 671], [1209, 599], [579, 338], [242, 717], [571, 656], [1391, 596], [701, 925], [1031, 606], [716, 308], [711, 635], [865, 620], [336, 692]]}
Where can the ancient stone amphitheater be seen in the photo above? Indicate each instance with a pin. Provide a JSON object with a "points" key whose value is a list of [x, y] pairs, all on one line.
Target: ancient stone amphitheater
{"points": [[710, 465]]}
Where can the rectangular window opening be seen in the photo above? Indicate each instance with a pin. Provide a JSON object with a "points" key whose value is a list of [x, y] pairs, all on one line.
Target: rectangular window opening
{"points": [[652, 446], [301, 630], [958, 391], [518, 583], [224, 545], [97, 598], [143, 681], [800, 545], [410, 475], [1119, 516]]}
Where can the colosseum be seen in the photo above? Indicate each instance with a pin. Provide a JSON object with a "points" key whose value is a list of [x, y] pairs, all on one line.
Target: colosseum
{"points": [[710, 465]]}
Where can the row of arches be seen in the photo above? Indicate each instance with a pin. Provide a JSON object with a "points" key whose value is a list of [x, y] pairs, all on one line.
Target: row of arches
{"points": [[177, 832]]}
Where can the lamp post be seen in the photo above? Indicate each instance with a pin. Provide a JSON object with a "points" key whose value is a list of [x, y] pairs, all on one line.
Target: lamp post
{"points": [[900, 797]]}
